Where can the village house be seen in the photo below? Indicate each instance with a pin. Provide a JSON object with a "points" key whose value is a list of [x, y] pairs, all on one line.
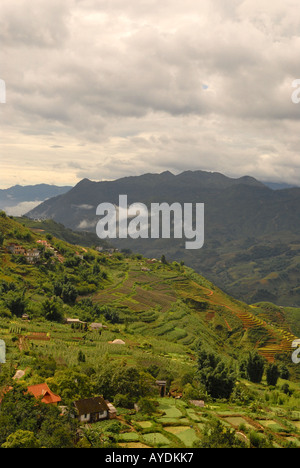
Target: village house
{"points": [[161, 384], [112, 412], [44, 243], [43, 392], [94, 409], [97, 326], [110, 250], [40, 392], [32, 255], [199, 403], [73, 321], [118, 342], [16, 249], [48, 246]]}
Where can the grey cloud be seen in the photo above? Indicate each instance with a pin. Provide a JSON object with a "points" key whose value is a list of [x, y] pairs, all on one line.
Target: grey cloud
{"points": [[21, 208], [149, 85], [37, 23]]}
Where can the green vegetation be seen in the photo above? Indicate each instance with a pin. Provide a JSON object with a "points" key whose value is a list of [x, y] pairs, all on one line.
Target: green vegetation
{"points": [[58, 230], [156, 321], [26, 423]]}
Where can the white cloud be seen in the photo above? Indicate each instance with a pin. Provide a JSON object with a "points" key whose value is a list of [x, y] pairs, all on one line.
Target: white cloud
{"points": [[84, 207], [21, 209], [86, 224]]}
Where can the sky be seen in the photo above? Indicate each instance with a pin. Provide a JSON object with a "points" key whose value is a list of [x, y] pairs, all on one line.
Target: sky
{"points": [[103, 89]]}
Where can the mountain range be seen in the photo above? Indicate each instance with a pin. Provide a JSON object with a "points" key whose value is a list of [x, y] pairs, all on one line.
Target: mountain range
{"points": [[18, 199], [252, 245]]}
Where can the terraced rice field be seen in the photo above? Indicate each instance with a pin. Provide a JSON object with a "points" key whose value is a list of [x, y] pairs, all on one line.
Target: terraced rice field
{"points": [[143, 291], [237, 421], [156, 439], [280, 340], [132, 293], [186, 434]]}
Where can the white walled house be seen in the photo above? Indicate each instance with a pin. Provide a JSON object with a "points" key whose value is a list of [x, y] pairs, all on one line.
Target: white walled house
{"points": [[92, 409]]}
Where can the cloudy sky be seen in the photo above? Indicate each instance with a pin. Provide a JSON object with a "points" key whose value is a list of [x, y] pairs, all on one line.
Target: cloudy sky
{"points": [[106, 88]]}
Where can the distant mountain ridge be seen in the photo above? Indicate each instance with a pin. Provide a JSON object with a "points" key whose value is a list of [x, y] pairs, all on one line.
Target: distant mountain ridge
{"points": [[279, 186], [16, 199], [32, 192], [252, 242], [224, 196]]}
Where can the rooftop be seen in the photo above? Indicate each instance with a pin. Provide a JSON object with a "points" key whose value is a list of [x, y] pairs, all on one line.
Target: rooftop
{"points": [[42, 390], [91, 405]]}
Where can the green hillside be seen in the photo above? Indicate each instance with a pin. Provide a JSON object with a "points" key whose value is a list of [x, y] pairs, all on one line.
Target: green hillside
{"points": [[83, 238], [251, 247], [163, 315]]}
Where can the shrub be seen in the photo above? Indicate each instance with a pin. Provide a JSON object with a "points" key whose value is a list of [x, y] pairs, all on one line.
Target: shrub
{"points": [[259, 441]]}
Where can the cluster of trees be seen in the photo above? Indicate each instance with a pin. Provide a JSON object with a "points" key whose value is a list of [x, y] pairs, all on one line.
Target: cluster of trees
{"points": [[27, 423], [119, 382], [77, 275], [63, 283], [15, 302], [253, 367], [216, 435], [66, 291], [12, 299], [219, 377], [122, 384]]}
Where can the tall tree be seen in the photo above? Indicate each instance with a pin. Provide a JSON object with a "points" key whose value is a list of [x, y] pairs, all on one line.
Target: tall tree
{"points": [[217, 377], [254, 366], [272, 374]]}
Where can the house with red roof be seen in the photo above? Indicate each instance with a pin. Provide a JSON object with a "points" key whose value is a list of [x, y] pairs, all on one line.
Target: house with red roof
{"points": [[42, 392]]}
